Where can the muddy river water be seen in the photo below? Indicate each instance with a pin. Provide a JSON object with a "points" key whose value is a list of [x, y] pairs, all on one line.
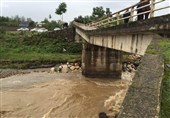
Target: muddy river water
{"points": [[59, 95]]}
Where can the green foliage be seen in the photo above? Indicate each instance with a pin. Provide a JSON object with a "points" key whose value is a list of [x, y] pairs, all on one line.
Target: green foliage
{"points": [[98, 12], [45, 20], [165, 99], [24, 43], [13, 21], [165, 49], [49, 16], [62, 8], [32, 24], [108, 12], [151, 50], [2, 32], [26, 47], [51, 25]]}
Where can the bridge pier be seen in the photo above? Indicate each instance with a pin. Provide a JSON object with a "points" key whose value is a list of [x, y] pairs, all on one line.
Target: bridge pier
{"points": [[101, 62]]}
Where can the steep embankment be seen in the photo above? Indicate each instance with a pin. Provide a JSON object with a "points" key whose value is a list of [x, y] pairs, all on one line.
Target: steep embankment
{"points": [[31, 50]]}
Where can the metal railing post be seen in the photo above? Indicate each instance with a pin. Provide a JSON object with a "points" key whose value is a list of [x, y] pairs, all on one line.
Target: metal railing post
{"points": [[152, 8]]}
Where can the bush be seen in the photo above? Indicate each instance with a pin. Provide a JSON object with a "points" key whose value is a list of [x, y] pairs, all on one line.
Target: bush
{"points": [[2, 32], [74, 48]]}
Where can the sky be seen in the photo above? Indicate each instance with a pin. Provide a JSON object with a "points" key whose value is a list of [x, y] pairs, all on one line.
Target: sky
{"points": [[37, 10]]}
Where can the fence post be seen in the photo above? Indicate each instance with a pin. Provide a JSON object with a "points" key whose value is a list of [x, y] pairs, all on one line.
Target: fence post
{"points": [[117, 18], [152, 8]]}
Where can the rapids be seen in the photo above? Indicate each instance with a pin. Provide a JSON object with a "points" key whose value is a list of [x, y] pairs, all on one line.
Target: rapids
{"points": [[59, 95]]}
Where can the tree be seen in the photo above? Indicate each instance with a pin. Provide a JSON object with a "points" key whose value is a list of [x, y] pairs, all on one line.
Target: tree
{"points": [[108, 12], [62, 8], [29, 20], [79, 19], [98, 12], [50, 16], [17, 18], [45, 20], [22, 19], [31, 24]]}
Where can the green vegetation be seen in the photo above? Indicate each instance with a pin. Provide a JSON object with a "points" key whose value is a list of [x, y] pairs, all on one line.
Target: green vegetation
{"points": [[151, 50], [24, 46], [50, 25], [98, 13], [2, 32], [62, 8], [165, 99], [14, 21]]}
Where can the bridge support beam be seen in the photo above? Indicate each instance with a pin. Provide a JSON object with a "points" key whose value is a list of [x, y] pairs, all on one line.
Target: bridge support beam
{"points": [[101, 62]]}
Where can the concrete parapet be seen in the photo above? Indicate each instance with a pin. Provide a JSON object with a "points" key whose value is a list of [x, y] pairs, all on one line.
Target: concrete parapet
{"points": [[143, 97]]}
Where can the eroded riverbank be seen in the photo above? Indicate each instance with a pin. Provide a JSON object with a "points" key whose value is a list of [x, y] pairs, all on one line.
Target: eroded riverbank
{"points": [[48, 95]]}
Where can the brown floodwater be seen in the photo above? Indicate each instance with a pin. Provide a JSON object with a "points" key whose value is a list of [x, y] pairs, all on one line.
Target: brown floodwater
{"points": [[58, 95]]}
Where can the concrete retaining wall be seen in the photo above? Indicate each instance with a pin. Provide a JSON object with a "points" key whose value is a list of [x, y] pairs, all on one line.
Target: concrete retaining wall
{"points": [[143, 97]]}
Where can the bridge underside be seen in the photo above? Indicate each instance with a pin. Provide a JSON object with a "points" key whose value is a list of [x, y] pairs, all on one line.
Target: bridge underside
{"points": [[131, 43], [101, 55], [101, 62]]}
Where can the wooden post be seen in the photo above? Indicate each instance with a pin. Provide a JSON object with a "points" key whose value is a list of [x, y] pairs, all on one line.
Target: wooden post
{"points": [[152, 8], [117, 18]]}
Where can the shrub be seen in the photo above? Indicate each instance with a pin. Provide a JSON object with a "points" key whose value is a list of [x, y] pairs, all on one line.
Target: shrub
{"points": [[2, 32]]}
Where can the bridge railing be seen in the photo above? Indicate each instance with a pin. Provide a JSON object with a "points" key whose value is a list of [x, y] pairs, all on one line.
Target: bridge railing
{"points": [[117, 17]]}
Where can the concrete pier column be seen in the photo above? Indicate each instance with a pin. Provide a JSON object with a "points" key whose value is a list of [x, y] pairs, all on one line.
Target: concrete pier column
{"points": [[101, 62]]}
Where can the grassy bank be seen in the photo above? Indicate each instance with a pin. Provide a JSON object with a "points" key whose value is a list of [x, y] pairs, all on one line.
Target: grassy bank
{"points": [[165, 98], [28, 47], [162, 47]]}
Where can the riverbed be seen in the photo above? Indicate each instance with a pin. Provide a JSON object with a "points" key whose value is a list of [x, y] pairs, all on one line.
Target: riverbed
{"points": [[41, 94]]}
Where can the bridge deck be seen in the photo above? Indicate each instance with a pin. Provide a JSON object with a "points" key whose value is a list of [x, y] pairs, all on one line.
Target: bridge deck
{"points": [[159, 24]]}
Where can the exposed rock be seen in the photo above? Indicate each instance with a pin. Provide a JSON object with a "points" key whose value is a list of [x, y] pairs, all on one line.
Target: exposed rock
{"points": [[65, 68], [53, 69], [168, 65], [102, 115], [131, 63]]}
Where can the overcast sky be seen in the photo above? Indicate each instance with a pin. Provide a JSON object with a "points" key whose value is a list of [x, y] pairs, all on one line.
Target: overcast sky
{"points": [[40, 9]]}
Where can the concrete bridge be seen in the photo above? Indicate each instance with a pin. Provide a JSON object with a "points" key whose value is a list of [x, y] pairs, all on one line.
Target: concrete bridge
{"points": [[104, 40]]}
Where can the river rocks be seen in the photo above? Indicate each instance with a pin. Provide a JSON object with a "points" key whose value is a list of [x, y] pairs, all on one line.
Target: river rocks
{"points": [[53, 69], [168, 65], [65, 68], [102, 115], [131, 63]]}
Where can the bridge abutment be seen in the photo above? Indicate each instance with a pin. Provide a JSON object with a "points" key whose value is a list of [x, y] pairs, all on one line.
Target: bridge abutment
{"points": [[101, 62]]}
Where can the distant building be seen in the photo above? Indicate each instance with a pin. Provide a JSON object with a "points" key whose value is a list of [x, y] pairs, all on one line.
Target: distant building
{"points": [[24, 24]]}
